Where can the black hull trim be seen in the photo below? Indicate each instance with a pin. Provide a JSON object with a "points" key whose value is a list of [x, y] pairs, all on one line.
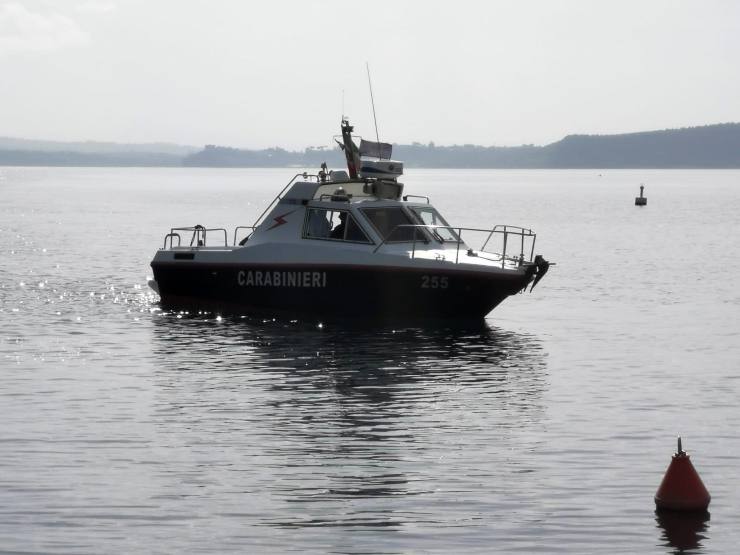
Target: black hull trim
{"points": [[334, 290]]}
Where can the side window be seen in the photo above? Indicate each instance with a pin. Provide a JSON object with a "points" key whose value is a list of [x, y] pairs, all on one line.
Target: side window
{"points": [[318, 224], [333, 224], [391, 224]]}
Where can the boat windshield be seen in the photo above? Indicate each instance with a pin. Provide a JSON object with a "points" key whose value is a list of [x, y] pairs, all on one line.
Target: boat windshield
{"points": [[429, 216], [391, 224]]}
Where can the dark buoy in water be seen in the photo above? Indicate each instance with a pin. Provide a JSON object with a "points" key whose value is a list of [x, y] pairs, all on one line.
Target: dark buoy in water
{"points": [[682, 488], [641, 200]]}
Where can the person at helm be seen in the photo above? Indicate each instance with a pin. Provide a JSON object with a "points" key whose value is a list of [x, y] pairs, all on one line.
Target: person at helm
{"points": [[338, 231]]}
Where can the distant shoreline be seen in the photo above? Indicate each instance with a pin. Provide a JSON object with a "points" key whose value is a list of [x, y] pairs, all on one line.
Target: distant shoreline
{"points": [[707, 147], [309, 169]]}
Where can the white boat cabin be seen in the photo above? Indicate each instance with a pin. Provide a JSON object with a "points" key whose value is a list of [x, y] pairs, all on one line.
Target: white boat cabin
{"points": [[366, 214]]}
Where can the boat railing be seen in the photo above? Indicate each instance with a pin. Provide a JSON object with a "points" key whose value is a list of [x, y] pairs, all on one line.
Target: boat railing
{"points": [[236, 232], [171, 237], [304, 175], [199, 232], [198, 237], [516, 244]]}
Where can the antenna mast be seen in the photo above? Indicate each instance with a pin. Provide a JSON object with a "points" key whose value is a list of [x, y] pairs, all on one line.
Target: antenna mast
{"points": [[372, 101]]}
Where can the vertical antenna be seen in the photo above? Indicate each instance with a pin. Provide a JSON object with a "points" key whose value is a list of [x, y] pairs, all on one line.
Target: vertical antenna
{"points": [[372, 101], [342, 103]]}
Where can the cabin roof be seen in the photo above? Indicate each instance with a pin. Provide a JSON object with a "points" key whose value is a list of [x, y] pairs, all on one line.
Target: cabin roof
{"points": [[355, 189]]}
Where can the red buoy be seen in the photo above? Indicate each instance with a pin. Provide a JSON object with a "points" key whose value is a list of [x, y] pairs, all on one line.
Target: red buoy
{"points": [[682, 488]]}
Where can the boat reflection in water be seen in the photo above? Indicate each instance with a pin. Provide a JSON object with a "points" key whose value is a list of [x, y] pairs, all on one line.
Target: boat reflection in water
{"points": [[683, 531], [344, 425]]}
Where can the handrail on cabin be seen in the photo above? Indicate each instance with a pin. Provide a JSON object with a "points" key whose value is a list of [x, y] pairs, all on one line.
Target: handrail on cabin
{"points": [[407, 197], [304, 175]]}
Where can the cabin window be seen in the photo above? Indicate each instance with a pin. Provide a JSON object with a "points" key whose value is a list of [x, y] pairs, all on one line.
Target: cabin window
{"points": [[429, 216], [388, 222], [338, 225]]}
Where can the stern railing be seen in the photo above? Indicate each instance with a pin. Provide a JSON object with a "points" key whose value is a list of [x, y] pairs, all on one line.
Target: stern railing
{"points": [[198, 237], [199, 232]]}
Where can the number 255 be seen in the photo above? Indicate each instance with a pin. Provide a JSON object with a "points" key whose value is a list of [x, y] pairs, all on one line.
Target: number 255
{"points": [[434, 282]]}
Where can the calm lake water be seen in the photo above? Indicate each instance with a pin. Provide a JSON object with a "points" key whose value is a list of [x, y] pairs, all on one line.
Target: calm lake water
{"points": [[545, 429]]}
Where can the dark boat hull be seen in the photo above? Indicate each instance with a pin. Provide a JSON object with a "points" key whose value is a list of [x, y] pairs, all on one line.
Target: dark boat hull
{"points": [[335, 290]]}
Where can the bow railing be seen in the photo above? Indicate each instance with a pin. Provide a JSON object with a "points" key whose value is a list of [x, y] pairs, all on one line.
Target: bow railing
{"points": [[516, 244]]}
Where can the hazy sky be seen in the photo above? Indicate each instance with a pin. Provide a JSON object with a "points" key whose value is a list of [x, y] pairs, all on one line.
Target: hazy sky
{"points": [[257, 74]]}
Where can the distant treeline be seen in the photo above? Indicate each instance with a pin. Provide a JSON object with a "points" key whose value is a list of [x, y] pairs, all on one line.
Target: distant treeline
{"points": [[711, 146], [95, 147], [226, 157], [63, 158]]}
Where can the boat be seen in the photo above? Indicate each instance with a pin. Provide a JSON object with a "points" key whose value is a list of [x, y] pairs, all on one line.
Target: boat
{"points": [[348, 244]]}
